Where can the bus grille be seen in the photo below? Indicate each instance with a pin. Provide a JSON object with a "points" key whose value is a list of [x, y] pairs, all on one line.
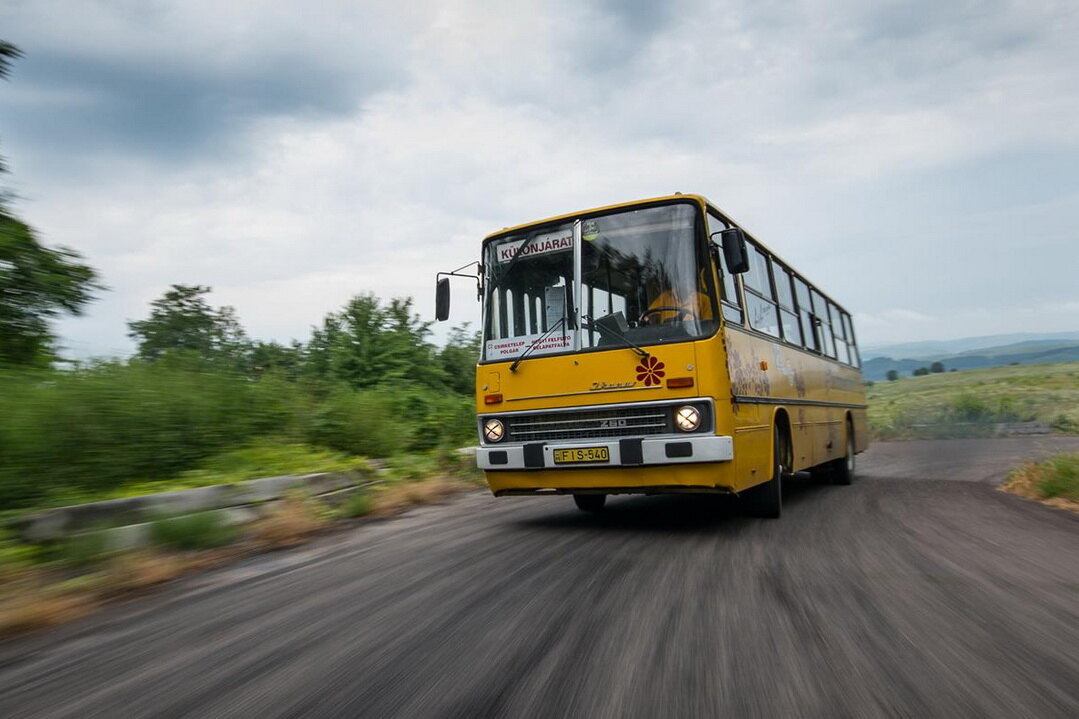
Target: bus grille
{"points": [[588, 424]]}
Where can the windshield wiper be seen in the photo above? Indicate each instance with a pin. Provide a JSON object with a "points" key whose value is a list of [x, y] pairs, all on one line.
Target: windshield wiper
{"points": [[529, 348], [589, 323]]}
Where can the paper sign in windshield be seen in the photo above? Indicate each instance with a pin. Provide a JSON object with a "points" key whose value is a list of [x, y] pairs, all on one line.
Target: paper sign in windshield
{"points": [[512, 347], [559, 241]]}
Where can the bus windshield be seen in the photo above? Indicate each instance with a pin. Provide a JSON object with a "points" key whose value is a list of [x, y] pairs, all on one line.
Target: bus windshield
{"points": [[642, 282]]}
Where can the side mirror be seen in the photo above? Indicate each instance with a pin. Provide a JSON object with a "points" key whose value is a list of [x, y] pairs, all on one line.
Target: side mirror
{"points": [[442, 299], [734, 250]]}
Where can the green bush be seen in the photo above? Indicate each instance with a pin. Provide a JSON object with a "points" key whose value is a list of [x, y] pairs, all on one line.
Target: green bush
{"points": [[386, 421], [411, 467], [1061, 478], [357, 505], [72, 436], [203, 530], [360, 422], [81, 550], [968, 408], [89, 430], [1064, 423]]}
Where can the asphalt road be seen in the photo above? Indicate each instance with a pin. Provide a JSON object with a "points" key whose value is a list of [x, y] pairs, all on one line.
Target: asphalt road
{"points": [[920, 591]]}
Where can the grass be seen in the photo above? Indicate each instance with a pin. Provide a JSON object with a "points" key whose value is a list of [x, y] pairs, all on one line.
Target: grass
{"points": [[971, 402], [1054, 481], [262, 458], [36, 598], [1061, 478], [358, 505], [201, 530], [291, 522], [27, 606]]}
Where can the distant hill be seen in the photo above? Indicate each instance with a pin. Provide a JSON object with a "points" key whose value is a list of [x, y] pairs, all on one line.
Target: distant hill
{"points": [[935, 348], [1024, 352]]}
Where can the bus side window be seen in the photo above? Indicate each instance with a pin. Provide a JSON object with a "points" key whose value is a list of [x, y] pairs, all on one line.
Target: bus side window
{"points": [[760, 299], [820, 309], [855, 358], [787, 318], [840, 334], [805, 313], [732, 304]]}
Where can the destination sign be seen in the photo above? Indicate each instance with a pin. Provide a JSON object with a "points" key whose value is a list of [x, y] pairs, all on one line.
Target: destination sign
{"points": [[559, 241]]}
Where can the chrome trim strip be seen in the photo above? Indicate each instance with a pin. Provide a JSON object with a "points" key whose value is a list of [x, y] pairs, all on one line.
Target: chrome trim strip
{"points": [[584, 429], [574, 421], [750, 399], [588, 391], [588, 407]]}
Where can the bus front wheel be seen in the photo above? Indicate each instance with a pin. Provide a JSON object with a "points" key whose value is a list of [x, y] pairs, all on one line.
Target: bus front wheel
{"points": [[590, 502], [766, 500]]}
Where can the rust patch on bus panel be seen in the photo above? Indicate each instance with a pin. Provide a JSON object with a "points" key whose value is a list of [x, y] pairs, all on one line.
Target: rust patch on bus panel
{"points": [[789, 370], [746, 377]]}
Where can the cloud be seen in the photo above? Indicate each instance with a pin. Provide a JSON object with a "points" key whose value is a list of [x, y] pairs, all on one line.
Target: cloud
{"points": [[918, 157], [177, 82]]}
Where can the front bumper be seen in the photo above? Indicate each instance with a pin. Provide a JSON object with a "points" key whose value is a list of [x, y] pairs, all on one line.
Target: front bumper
{"points": [[625, 452]]}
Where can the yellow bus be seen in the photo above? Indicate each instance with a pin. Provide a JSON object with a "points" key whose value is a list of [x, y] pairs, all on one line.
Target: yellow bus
{"points": [[656, 347]]}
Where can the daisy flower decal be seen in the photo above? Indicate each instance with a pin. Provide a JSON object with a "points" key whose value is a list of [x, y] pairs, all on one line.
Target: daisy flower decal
{"points": [[650, 371]]}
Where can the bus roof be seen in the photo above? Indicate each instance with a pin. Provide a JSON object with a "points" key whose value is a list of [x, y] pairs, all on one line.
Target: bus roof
{"points": [[595, 210]]}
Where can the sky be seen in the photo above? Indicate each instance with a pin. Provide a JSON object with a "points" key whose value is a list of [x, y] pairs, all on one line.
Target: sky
{"points": [[917, 160]]}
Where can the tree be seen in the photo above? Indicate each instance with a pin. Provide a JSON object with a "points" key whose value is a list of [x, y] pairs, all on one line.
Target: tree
{"points": [[8, 53], [182, 321], [458, 359], [892, 375], [271, 357], [920, 372], [37, 283], [368, 343], [936, 367]]}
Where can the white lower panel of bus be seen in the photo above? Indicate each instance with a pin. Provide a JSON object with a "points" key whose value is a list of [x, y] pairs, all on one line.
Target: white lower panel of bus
{"points": [[669, 449]]}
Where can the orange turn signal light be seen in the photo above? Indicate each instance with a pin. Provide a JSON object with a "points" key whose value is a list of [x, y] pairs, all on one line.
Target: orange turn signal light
{"points": [[492, 398], [676, 382]]}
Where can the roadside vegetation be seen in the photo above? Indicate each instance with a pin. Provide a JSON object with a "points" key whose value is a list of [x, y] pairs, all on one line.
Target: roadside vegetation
{"points": [[200, 404], [1054, 481], [46, 584], [70, 436], [973, 403]]}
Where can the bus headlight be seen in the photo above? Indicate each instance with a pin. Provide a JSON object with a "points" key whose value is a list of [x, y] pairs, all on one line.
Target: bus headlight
{"points": [[687, 418], [494, 430]]}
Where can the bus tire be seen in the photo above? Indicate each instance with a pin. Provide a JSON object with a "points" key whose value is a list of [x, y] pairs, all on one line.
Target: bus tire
{"points": [[766, 499], [590, 502], [843, 468]]}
